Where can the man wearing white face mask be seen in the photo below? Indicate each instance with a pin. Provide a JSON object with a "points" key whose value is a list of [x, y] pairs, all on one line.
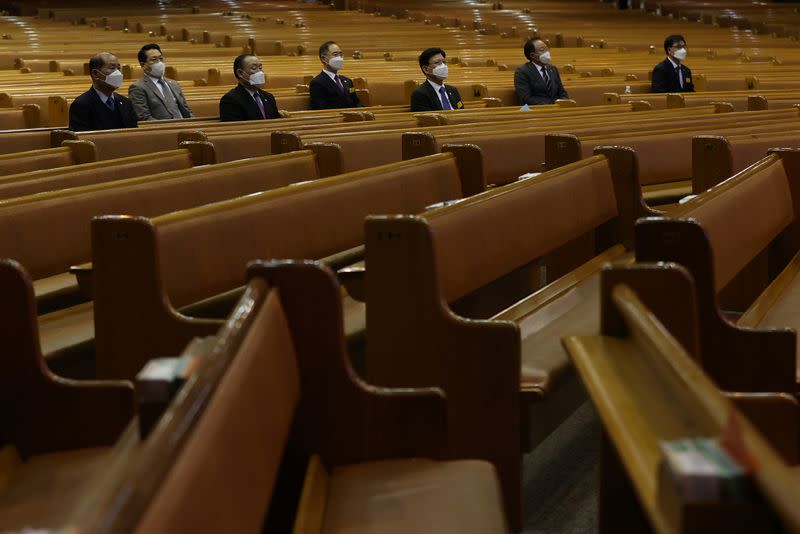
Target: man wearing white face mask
{"points": [[155, 97], [434, 95], [538, 82], [671, 75], [100, 108], [247, 101], [331, 90]]}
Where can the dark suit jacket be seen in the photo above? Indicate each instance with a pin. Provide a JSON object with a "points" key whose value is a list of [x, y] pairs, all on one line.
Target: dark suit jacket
{"points": [[424, 98], [531, 88], [665, 79], [325, 94], [87, 112], [238, 105]]}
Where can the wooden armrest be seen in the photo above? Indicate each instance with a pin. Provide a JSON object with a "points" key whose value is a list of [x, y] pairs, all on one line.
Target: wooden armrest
{"points": [[344, 258], [83, 273], [775, 415], [758, 310], [352, 278], [402, 423]]}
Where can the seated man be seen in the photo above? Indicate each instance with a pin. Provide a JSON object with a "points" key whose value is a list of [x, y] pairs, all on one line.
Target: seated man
{"points": [[538, 82], [671, 76], [153, 96], [247, 101], [331, 90], [100, 108], [433, 95]]}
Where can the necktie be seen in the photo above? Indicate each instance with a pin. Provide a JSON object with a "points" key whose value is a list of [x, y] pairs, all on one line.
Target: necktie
{"points": [[110, 103], [680, 79], [169, 99], [339, 83], [546, 79], [445, 100], [260, 105]]}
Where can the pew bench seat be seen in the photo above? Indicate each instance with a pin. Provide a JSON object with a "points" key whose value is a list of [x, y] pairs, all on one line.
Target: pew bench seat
{"points": [[41, 490], [459, 496]]}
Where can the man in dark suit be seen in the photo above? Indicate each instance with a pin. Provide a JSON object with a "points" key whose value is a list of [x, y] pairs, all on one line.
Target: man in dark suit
{"points": [[247, 101], [433, 94], [671, 75], [538, 82], [331, 90], [154, 96], [100, 108]]}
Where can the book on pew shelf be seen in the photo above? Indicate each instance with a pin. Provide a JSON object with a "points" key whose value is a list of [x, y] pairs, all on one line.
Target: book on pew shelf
{"points": [[694, 476], [736, 484], [701, 470], [161, 378], [528, 175]]}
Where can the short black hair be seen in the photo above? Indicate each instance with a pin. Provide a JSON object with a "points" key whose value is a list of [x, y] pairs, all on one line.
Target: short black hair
{"points": [[142, 55], [238, 63], [97, 61], [427, 54], [323, 48], [671, 40], [529, 47]]}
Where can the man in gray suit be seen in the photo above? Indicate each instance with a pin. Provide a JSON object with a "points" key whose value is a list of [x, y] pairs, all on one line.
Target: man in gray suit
{"points": [[153, 96], [538, 82]]}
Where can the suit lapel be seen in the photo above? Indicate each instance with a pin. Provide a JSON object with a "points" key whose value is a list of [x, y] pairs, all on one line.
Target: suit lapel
{"points": [[151, 86], [250, 102], [434, 98]]}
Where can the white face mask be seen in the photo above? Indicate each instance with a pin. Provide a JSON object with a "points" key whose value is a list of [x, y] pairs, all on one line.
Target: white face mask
{"points": [[258, 78], [336, 62], [544, 58], [114, 79], [680, 54], [157, 69], [440, 71]]}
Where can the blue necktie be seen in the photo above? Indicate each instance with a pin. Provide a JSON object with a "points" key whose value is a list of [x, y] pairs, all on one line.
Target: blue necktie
{"points": [[445, 101], [110, 103]]}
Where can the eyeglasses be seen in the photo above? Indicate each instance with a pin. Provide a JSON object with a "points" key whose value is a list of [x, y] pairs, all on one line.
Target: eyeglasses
{"points": [[442, 62], [155, 59]]}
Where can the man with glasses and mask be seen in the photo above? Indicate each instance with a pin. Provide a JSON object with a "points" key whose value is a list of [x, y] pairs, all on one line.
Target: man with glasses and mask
{"points": [[434, 95], [155, 97], [100, 108], [331, 90], [247, 101], [538, 82], [671, 75]]}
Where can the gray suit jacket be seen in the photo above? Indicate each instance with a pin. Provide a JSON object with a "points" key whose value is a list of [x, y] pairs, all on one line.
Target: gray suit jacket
{"points": [[148, 103]]}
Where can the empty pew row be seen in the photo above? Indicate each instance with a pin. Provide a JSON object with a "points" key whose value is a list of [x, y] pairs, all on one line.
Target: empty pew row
{"points": [[645, 379], [293, 363], [739, 243], [318, 220], [486, 331]]}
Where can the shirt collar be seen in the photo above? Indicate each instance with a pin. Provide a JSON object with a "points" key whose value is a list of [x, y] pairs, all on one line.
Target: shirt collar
{"points": [[674, 65], [331, 75], [250, 89], [102, 95], [435, 86], [155, 80]]}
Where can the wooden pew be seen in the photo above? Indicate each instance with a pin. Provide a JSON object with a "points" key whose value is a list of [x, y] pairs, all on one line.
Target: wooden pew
{"points": [[82, 174], [717, 157], [26, 116], [55, 432], [49, 158], [480, 329], [282, 350], [665, 154], [737, 240], [143, 279], [646, 388]]}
